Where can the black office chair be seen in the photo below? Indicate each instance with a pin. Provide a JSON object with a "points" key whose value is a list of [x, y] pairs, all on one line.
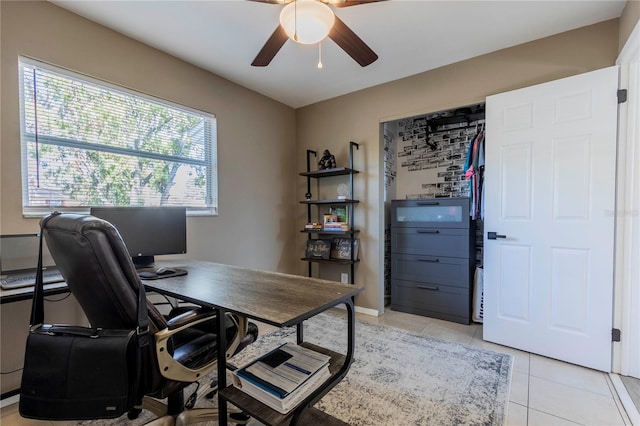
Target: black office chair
{"points": [[96, 266]]}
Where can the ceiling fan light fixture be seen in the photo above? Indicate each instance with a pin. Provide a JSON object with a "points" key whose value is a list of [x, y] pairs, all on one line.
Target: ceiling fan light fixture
{"points": [[307, 21]]}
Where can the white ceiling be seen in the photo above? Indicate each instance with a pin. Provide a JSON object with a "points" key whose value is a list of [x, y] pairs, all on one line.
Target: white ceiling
{"points": [[410, 37]]}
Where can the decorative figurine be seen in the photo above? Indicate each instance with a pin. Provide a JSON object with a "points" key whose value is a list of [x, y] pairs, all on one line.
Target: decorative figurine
{"points": [[308, 196], [328, 161]]}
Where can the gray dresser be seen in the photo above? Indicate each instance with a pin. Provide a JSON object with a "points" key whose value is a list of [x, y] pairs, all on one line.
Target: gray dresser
{"points": [[432, 258]]}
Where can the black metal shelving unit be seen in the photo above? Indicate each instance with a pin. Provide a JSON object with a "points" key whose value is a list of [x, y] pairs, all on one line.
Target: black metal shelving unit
{"points": [[349, 203]]}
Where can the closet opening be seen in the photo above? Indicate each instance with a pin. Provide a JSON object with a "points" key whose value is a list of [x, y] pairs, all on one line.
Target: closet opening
{"points": [[428, 156]]}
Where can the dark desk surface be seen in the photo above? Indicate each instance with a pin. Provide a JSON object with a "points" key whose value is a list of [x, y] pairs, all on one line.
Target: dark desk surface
{"points": [[274, 298], [279, 299], [26, 293]]}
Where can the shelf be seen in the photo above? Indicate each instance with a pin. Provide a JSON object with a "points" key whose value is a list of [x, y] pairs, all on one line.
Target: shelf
{"points": [[314, 215], [336, 201], [320, 231], [269, 416], [338, 171], [466, 118], [337, 261], [265, 414]]}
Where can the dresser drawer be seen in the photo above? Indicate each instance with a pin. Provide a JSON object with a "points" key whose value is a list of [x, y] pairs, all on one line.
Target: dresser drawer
{"points": [[431, 299], [431, 269], [445, 212], [431, 241]]}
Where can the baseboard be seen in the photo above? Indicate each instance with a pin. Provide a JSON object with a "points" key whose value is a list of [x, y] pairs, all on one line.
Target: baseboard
{"points": [[625, 399], [9, 400], [368, 311], [361, 310]]}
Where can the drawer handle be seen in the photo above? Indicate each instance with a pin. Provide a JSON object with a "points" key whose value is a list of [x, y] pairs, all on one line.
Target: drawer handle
{"points": [[428, 203], [429, 260], [428, 231], [428, 287]]}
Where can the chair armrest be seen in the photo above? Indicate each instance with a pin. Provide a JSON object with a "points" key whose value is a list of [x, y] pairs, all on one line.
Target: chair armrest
{"points": [[190, 316], [172, 369]]}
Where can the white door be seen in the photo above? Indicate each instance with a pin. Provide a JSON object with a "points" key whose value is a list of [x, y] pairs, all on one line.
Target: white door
{"points": [[549, 198]]}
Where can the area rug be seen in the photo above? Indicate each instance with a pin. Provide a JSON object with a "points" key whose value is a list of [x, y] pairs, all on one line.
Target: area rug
{"points": [[400, 378]]}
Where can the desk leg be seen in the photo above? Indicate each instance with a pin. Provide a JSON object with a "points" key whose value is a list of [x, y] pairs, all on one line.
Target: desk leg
{"points": [[300, 332], [351, 330], [222, 366], [351, 343]]}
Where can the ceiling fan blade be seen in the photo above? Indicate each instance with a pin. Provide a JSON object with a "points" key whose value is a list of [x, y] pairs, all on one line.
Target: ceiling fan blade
{"points": [[352, 44], [270, 48], [346, 3]]}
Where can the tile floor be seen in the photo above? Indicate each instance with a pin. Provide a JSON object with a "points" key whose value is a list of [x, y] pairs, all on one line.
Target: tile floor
{"points": [[544, 392]]}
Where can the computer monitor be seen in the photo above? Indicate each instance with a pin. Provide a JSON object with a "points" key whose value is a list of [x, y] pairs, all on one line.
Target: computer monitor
{"points": [[148, 231]]}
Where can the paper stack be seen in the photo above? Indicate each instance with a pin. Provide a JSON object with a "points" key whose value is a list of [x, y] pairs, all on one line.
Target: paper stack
{"points": [[284, 377]]}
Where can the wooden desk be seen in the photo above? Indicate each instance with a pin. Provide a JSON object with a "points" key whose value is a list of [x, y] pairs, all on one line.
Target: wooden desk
{"points": [[278, 299]]}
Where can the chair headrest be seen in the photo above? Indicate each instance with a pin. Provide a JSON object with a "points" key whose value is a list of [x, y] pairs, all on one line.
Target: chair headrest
{"points": [[97, 267]]}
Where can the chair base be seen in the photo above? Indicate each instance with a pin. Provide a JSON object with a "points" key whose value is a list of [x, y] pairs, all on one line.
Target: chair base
{"points": [[198, 415], [189, 416]]}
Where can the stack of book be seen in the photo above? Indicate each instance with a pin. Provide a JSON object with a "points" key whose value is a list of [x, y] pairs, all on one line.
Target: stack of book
{"points": [[284, 377], [335, 226], [313, 226]]}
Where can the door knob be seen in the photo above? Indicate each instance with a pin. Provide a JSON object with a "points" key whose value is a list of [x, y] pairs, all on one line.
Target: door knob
{"points": [[494, 235]]}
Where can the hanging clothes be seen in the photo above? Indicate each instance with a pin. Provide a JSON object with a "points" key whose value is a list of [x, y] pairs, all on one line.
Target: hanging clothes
{"points": [[474, 172], [481, 178]]}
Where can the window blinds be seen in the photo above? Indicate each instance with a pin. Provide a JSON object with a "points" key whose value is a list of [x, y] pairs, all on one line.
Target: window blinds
{"points": [[89, 143]]}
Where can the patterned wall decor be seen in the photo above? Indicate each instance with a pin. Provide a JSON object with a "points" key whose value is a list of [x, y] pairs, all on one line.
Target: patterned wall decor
{"points": [[389, 161], [433, 149], [437, 144]]}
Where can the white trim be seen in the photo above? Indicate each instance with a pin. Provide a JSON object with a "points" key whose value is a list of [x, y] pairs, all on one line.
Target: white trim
{"points": [[625, 399], [361, 310], [367, 311], [40, 212], [9, 401], [626, 354], [630, 51]]}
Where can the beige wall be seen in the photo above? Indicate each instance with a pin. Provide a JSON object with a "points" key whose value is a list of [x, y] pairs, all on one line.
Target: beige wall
{"points": [[331, 124], [628, 20], [255, 134]]}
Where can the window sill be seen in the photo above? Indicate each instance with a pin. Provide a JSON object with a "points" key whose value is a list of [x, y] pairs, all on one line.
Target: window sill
{"points": [[39, 212]]}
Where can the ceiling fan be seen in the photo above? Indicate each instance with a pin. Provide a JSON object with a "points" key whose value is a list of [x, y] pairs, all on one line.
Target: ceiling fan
{"points": [[291, 26]]}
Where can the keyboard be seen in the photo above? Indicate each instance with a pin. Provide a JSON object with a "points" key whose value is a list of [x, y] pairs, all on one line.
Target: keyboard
{"points": [[29, 279]]}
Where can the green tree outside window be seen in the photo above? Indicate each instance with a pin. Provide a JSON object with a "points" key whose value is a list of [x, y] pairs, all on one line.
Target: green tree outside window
{"points": [[88, 143]]}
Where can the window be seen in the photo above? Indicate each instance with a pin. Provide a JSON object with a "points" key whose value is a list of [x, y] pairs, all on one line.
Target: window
{"points": [[89, 143]]}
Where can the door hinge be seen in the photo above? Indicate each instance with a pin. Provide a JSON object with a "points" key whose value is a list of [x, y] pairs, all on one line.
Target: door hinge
{"points": [[615, 335], [622, 96]]}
